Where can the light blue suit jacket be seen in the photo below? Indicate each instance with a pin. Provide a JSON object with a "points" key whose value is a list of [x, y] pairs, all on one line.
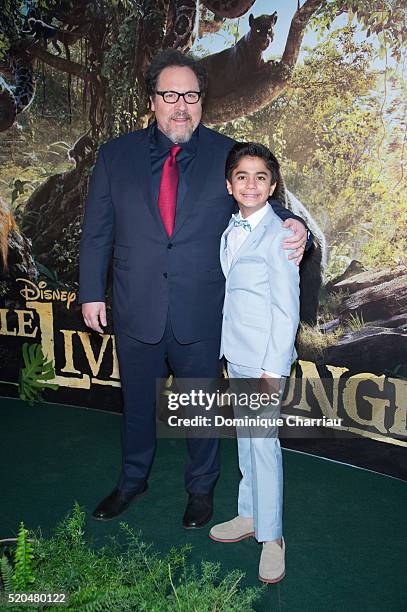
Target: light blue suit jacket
{"points": [[261, 307]]}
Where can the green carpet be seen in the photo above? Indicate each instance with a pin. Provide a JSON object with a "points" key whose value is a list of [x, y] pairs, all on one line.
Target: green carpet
{"points": [[344, 527]]}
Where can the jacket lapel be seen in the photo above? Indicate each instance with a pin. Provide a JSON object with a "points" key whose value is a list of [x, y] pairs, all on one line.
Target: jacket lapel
{"points": [[142, 177], [201, 171], [254, 237], [223, 249]]}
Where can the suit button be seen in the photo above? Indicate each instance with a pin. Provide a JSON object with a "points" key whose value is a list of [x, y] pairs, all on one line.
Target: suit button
{"points": [[165, 274], [169, 245]]}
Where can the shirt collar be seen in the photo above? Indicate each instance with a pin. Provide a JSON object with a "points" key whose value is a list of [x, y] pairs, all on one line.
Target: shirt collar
{"points": [[256, 217], [163, 143]]}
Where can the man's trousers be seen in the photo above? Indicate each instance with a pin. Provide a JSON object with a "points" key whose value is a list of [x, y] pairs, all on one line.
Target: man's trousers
{"points": [[141, 364]]}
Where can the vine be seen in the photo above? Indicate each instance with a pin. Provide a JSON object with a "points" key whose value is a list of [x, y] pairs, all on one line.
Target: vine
{"points": [[118, 70]]}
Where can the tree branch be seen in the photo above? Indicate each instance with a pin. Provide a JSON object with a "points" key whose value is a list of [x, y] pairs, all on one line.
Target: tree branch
{"points": [[70, 37], [228, 9], [60, 63], [210, 27], [260, 89], [297, 29]]}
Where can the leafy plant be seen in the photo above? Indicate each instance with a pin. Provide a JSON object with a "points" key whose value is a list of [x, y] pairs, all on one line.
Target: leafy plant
{"points": [[356, 321], [6, 574], [50, 275], [23, 560], [397, 372], [66, 249], [34, 376], [312, 343], [19, 576], [127, 576], [330, 302]]}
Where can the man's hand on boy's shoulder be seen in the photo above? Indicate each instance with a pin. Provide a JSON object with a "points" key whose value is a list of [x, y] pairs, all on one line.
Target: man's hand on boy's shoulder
{"points": [[297, 241]]}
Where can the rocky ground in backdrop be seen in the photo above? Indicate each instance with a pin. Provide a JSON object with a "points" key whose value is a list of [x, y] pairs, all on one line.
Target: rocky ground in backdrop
{"points": [[372, 312]]}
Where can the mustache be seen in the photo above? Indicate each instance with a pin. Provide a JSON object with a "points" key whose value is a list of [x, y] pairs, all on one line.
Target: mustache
{"points": [[180, 115]]}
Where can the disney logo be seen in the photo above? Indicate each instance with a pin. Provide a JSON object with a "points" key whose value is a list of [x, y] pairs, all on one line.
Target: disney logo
{"points": [[31, 292]]}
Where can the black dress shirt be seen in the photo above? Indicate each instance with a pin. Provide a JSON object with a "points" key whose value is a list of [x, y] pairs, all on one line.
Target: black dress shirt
{"points": [[160, 146]]}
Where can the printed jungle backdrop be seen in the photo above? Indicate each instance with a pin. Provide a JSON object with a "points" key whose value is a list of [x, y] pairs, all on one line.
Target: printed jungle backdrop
{"points": [[321, 82]]}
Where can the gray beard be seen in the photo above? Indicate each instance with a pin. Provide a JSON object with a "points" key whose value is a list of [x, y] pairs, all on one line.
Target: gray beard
{"points": [[180, 139]]}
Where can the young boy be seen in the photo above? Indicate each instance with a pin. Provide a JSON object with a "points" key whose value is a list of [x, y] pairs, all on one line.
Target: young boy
{"points": [[260, 321]]}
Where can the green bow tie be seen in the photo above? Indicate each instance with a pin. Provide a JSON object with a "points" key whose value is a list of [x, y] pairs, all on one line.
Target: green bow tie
{"points": [[242, 223]]}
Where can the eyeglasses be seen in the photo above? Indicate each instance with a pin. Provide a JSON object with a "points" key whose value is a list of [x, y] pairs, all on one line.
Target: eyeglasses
{"points": [[172, 97]]}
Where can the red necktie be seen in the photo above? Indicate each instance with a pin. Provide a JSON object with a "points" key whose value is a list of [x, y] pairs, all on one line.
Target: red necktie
{"points": [[167, 198]]}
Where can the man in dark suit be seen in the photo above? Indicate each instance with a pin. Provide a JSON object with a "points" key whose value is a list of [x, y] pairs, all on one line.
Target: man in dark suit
{"points": [[158, 199]]}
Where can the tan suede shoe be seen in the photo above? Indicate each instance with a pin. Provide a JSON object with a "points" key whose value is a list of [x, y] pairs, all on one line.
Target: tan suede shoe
{"points": [[272, 562], [235, 530]]}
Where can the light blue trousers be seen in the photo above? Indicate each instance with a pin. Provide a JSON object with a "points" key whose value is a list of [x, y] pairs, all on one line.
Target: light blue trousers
{"points": [[260, 462]]}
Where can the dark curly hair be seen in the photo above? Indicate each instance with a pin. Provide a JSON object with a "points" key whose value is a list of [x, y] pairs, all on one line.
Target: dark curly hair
{"points": [[252, 149], [173, 57]]}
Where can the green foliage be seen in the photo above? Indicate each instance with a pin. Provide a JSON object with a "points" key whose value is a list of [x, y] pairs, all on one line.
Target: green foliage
{"points": [[3, 44], [119, 70], [385, 18], [11, 22], [356, 321], [312, 343], [6, 574], [129, 575], [51, 276], [341, 148], [127, 4], [65, 249], [73, 528], [37, 370], [397, 372], [23, 561], [44, 4], [37, 148], [330, 302]]}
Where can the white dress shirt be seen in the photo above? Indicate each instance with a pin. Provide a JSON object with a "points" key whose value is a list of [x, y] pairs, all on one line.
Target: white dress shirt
{"points": [[238, 235], [236, 238]]}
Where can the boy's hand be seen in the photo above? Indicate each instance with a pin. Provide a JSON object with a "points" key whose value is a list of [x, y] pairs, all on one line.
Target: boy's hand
{"points": [[297, 241]]}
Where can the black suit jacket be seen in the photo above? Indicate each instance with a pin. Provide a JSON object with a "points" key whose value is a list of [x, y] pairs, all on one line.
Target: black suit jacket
{"points": [[152, 273]]}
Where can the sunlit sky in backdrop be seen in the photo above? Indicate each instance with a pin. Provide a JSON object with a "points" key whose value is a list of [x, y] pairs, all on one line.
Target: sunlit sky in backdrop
{"points": [[285, 11]]}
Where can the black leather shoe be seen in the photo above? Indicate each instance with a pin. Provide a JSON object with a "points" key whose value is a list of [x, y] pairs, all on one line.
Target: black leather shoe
{"points": [[199, 511], [116, 503]]}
